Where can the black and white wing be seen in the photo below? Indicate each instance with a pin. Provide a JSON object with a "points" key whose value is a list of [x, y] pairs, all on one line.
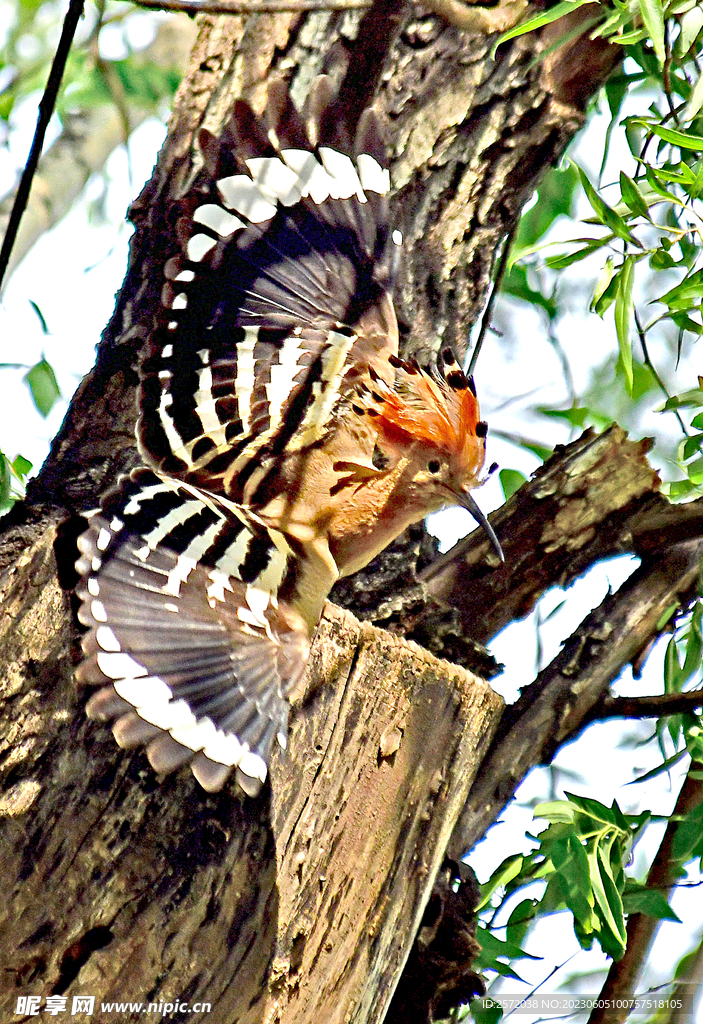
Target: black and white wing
{"points": [[279, 298], [193, 633]]}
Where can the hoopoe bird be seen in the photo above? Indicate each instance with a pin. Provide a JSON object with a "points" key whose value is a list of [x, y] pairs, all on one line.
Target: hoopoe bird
{"points": [[284, 441]]}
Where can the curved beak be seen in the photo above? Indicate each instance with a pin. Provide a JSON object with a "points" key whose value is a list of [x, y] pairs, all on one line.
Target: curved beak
{"points": [[468, 503]]}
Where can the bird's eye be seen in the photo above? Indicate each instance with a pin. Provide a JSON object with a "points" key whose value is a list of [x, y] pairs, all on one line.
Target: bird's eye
{"points": [[434, 466]]}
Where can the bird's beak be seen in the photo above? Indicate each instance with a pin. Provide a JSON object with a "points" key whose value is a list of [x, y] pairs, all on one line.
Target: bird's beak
{"points": [[468, 503]]}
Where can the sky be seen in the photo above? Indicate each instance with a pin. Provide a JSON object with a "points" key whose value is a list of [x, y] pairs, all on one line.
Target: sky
{"points": [[73, 274]]}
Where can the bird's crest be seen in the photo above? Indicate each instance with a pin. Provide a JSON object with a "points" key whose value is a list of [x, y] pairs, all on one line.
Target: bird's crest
{"points": [[439, 407]]}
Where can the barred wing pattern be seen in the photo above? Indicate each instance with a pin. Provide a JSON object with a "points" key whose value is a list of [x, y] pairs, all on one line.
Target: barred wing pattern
{"points": [[278, 301], [275, 308], [195, 652]]}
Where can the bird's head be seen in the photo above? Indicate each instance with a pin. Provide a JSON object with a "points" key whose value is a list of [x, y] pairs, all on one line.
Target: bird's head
{"points": [[432, 420]]}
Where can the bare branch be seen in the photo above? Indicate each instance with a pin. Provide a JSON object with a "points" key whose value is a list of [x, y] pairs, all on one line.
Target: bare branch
{"points": [[46, 109], [88, 137], [647, 707], [488, 311]]}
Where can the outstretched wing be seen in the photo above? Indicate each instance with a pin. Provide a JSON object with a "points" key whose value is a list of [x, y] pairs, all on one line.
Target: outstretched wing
{"points": [[279, 298], [193, 630]]}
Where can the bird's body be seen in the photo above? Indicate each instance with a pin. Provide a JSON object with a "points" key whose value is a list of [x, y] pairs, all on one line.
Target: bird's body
{"points": [[286, 445]]}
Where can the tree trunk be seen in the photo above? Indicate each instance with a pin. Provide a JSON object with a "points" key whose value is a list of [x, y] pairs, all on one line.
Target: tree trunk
{"points": [[298, 906], [303, 904]]}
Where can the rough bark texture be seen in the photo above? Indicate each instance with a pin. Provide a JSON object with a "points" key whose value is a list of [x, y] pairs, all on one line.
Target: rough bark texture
{"points": [[298, 906], [303, 904]]}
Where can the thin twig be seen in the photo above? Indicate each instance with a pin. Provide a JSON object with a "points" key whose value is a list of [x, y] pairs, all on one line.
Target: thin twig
{"points": [[46, 109], [687, 995], [648, 362], [488, 311], [666, 72], [647, 707], [252, 6]]}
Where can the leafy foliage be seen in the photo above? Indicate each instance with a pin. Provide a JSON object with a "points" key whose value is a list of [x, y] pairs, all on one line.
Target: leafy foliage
{"points": [[646, 227], [581, 859], [13, 477], [90, 78]]}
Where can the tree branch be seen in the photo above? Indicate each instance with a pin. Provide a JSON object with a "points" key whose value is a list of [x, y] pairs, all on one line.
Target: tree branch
{"points": [[646, 707], [46, 109], [88, 138], [556, 705]]}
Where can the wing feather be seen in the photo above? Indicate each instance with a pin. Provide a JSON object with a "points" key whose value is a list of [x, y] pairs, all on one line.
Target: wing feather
{"points": [[195, 657], [284, 246]]}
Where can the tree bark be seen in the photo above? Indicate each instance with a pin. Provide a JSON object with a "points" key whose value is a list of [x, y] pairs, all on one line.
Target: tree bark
{"points": [[298, 906], [303, 904]]}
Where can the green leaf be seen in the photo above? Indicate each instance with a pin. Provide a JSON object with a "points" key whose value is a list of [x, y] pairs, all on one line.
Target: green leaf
{"points": [[661, 260], [660, 769], [546, 18], [684, 140], [40, 315], [688, 838], [695, 100], [495, 947], [5, 476], [504, 873], [516, 283], [565, 260], [694, 644], [686, 293], [520, 920], [613, 936], [672, 669], [653, 179], [555, 196], [511, 480], [686, 399], [542, 453], [555, 811], [692, 445], [570, 860], [686, 323], [604, 292], [606, 214], [691, 25], [667, 615], [21, 466], [485, 1011], [638, 899], [693, 733], [578, 416], [43, 386], [615, 91], [624, 308], [632, 195], [653, 17], [595, 809]]}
